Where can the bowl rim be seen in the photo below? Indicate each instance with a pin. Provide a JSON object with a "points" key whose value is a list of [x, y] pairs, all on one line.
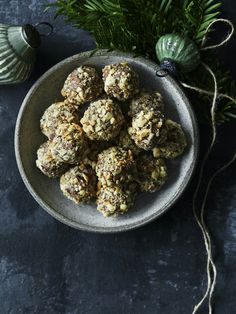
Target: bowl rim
{"points": [[84, 227]]}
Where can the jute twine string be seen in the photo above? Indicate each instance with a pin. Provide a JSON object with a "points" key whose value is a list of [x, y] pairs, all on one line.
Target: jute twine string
{"points": [[200, 220], [224, 41], [211, 268], [203, 91]]}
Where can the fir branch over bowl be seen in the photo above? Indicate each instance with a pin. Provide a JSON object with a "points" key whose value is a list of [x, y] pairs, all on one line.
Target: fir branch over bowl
{"points": [[136, 25]]}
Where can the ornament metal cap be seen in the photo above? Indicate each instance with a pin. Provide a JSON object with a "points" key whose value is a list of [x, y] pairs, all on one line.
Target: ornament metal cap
{"points": [[31, 36]]}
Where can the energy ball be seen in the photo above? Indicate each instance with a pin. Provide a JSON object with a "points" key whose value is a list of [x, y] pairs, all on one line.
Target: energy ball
{"points": [[152, 173], [125, 141], [56, 114], [79, 183], [174, 144], [113, 200], [146, 129], [69, 145], [115, 165], [102, 121], [120, 81], [49, 166], [82, 85], [146, 101]]}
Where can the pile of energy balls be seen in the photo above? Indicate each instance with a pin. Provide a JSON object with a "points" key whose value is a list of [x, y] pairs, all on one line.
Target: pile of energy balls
{"points": [[108, 139]]}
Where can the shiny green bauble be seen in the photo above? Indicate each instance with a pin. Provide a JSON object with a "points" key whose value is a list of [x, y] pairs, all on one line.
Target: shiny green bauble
{"points": [[180, 49]]}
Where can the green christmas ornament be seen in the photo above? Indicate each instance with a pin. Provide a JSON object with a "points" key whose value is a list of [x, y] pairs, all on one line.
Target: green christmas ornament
{"points": [[18, 45], [176, 52]]}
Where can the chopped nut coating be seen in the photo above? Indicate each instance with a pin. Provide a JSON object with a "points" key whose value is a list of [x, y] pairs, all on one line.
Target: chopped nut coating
{"points": [[120, 81], [56, 114], [102, 120], [82, 85], [113, 200], [174, 144], [49, 166], [146, 101], [146, 129], [115, 165], [125, 141], [152, 173], [79, 183], [69, 145], [94, 149]]}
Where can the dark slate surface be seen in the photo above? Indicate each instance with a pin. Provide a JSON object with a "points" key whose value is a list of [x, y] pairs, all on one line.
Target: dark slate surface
{"points": [[46, 267]]}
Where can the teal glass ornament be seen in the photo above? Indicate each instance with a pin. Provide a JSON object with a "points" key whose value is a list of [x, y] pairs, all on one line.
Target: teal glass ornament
{"points": [[177, 53], [18, 45]]}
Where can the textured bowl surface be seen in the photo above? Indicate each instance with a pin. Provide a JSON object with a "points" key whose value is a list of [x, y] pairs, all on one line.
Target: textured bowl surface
{"points": [[47, 191]]}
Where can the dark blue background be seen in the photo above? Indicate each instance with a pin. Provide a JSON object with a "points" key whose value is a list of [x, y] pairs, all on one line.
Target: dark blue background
{"points": [[46, 267]]}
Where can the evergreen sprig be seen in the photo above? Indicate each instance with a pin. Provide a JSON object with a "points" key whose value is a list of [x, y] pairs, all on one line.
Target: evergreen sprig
{"points": [[136, 25]]}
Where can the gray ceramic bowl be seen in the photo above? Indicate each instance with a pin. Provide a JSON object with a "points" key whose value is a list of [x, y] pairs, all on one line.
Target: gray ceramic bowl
{"points": [[47, 192]]}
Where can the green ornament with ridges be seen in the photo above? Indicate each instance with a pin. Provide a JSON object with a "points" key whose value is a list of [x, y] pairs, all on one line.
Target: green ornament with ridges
{"points": [[18, 46], [180, 49]]}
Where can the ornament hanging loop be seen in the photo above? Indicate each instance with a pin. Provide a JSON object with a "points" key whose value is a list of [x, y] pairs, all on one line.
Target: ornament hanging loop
{"points": [[223, 42], [167, 67], [45, 24], [162, 72]]}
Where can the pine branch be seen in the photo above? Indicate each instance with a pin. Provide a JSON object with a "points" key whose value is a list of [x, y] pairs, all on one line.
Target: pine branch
{"points": [[208, 15], [136, 25]]}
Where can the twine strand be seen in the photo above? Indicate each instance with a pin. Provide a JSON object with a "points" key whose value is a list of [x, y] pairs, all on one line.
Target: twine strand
{"points": [[205, 233], [219, 171], [223, 42], [211, 267], [203, 91]]}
